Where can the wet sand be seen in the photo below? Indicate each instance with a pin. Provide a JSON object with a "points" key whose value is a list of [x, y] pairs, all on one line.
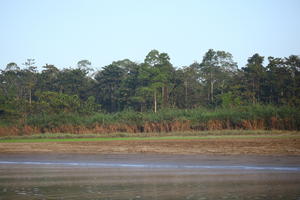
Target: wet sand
{"points": [[148, 176]]}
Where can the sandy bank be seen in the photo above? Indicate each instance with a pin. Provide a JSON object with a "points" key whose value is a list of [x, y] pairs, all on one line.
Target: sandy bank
{"points": [[226, 146]]}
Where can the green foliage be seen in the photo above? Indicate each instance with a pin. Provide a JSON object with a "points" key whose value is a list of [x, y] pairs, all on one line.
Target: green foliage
{"points": [[152, 91], [53, 102], [54, 120], [8, 111], [90, 106], [229, 100], [198, 116], [216, 69]]}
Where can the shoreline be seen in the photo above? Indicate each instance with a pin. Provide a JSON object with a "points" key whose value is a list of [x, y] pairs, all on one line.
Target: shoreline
{"points": [[189, 146]]}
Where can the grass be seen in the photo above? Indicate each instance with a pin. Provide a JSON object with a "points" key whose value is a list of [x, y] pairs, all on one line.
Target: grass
{"points": [[228, 134], [155, 134], [198, 115], [146, 138], [165, 121]]}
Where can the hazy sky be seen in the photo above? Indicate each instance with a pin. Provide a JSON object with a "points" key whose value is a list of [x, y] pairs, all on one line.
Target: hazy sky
{"points": [[62, 32]]}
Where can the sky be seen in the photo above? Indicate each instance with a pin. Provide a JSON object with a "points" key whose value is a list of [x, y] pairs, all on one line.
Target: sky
{"points": [[63, 32]]}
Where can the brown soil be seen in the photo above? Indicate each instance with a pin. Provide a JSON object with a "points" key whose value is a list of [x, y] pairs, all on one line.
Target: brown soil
{"points": [[238, 146]]}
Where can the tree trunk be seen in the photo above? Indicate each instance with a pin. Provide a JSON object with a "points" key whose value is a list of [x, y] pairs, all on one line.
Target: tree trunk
{"points": [[253, 92], [165, 96], [212, 91], [155, 102], [211, 88], [29, 96], [186, 86]]}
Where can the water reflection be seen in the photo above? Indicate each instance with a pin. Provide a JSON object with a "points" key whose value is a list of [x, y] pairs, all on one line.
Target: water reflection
{"points": [[61, 182]]}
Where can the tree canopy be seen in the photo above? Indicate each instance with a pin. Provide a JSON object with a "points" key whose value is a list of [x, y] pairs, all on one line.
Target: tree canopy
{"points": [[151, 85]]}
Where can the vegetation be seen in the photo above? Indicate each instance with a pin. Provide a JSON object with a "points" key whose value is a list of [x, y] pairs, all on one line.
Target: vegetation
{"points": [[153, 136], [152, 96], [255, 117]]}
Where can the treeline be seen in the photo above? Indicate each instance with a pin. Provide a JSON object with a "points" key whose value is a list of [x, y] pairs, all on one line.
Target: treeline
{"points": [[153, 85]]}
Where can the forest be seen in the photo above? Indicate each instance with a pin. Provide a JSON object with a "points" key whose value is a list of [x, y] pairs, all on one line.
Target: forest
{"points": [[151, 96]]}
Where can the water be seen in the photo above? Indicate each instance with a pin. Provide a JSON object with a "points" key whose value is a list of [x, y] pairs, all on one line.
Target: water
{"points": [[148, 177], [149, 165]]}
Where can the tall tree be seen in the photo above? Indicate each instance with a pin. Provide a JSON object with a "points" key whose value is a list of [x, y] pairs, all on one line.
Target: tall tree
{"points": [[293, 63], [215, 69], [158, 71], [254, 77], [12, 66], [129, 84], [48, 80], [31, 70], [84, 65], [109, 81]]}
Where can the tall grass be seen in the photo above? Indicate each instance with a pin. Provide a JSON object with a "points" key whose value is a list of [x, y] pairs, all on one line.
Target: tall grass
{"points": [[199, 115], [252, 117]]}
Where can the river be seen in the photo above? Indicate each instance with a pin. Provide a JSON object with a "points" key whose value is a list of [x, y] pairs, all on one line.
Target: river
{"points": [[144, 176]]}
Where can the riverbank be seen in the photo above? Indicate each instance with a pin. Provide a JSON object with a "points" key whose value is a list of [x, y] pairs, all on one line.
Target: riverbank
{"points": [[280, 144]]}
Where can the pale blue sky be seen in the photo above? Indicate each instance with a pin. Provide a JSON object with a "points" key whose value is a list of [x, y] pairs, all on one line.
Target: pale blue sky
{"points": [[62, 32]]}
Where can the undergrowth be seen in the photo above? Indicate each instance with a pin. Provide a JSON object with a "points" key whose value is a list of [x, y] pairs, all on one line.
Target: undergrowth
{"points": [[254, 117]]}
